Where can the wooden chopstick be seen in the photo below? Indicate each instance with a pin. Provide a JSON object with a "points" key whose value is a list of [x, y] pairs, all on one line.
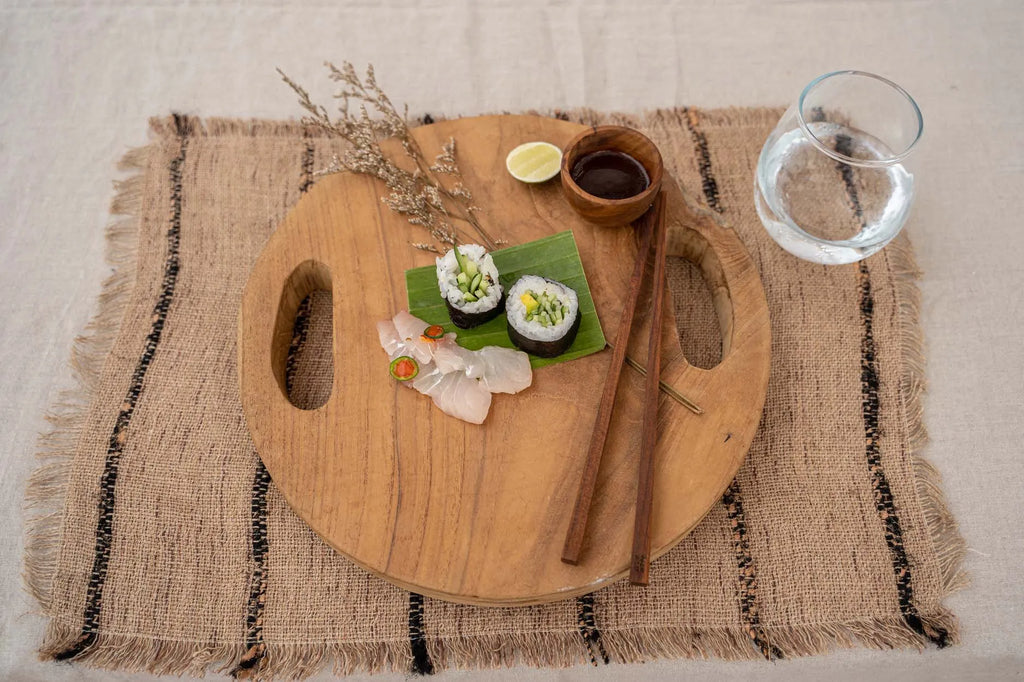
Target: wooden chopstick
{"points": [[667, 388], [639, 565], [585, 494]]}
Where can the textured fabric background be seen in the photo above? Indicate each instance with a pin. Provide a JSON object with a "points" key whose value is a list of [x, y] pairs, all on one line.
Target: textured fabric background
{"points": [[175, 551], [83, 79]]}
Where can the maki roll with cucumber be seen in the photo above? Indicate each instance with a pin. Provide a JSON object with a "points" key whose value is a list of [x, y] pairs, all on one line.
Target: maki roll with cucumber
{"points": [[469, 285], [543, 316]]}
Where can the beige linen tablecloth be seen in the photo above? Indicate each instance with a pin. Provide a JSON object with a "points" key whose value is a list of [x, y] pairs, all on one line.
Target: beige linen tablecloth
{"points": [[79, 83]]}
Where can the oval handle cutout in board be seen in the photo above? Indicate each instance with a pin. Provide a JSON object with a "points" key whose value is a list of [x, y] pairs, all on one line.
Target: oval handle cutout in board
{"points": [[471, 513]]}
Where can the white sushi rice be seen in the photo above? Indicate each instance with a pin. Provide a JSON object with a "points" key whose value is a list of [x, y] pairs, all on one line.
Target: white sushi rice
{"points": [[448, 271], [516, 309]]}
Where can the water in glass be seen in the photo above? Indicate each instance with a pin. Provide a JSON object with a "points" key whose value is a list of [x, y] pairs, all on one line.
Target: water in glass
{"points": [[827, 189]]}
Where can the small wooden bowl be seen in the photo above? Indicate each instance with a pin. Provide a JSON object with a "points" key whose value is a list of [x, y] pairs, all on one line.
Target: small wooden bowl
{"points": [[611, 212]]}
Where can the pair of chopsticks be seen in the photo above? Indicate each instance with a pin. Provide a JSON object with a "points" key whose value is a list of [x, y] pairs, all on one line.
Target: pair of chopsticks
{"points": [[652, 228]]}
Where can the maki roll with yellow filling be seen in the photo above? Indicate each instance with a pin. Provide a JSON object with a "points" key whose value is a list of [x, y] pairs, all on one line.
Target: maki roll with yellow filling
{"points": [[468, 281], [543, 316]]}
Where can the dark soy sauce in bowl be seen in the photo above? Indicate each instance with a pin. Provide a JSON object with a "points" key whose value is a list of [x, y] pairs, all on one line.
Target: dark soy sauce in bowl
{"points": [[610, 174]]}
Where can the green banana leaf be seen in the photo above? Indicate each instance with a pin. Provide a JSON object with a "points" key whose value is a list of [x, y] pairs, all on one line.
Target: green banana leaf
{"points": [[555, 257]]}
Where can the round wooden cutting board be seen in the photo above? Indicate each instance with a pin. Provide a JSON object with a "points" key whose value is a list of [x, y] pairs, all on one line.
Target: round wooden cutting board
{"points": [[478, 514]]}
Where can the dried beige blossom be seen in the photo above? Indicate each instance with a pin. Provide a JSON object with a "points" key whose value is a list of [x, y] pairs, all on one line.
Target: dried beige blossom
{"points": [[419, 194]]}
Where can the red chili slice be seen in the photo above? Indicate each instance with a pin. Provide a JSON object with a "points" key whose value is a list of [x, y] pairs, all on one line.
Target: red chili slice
{"points": [[404, 368], [434, 332]]}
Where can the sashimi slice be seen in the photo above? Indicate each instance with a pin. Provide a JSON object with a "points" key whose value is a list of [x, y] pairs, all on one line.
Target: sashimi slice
{"points": [[389, 340], [410, 333], [504, 370], [409, 326], [451, 357], [395, 346], [461, 397], [459, 381], [428, 378]]}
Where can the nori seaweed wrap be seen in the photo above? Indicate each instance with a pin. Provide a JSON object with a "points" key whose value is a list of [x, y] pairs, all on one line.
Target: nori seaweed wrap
{"points": [[468, 282], [543, 316]]}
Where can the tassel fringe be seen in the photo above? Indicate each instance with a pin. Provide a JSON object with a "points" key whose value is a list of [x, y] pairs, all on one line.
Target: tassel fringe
{"points": [[48, 485]]}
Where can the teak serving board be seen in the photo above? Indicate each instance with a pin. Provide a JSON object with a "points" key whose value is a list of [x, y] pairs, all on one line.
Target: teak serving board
{"points": [[478, 514]]}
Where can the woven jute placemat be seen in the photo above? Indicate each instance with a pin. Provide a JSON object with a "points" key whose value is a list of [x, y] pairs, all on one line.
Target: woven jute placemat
{"points": [[159, 541]]}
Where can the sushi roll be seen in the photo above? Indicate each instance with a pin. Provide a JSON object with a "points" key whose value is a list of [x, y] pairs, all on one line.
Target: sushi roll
{"points": [[468, 281], [543, 316]]}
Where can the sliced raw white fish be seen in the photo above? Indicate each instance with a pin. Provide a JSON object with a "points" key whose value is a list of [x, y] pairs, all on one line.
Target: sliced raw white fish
{"points": [[410, 332], [389, 340], [428, 378], [409, 326], [395, 346], [451, 357], [462, 397], [458, 380], [504, 370]]}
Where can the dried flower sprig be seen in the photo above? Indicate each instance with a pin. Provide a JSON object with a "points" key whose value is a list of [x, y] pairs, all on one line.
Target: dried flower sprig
{"points": [[418, 194]]}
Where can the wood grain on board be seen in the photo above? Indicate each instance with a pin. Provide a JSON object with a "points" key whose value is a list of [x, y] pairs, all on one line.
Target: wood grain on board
{"points": [[478, 514]]}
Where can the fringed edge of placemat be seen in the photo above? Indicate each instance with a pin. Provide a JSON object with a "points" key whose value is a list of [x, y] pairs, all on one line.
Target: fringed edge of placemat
{"points": [[943, 529], [642, 645], [561, 649], [47, 487]]}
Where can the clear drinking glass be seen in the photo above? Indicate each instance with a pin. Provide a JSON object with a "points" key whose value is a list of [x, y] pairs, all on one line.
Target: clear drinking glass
{"points": [[832, 184]]}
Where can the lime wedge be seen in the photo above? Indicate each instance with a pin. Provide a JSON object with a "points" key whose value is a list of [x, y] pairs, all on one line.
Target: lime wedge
{"points": [[534, 161]]}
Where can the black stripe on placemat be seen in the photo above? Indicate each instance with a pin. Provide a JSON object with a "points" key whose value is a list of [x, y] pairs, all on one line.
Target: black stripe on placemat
{"points": [[732, 498], [308, 155], [299, 331], [700, 146], [869, 382], [749, 608], [588, 629], [255, 647], [421, 662], [119, 435]]}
